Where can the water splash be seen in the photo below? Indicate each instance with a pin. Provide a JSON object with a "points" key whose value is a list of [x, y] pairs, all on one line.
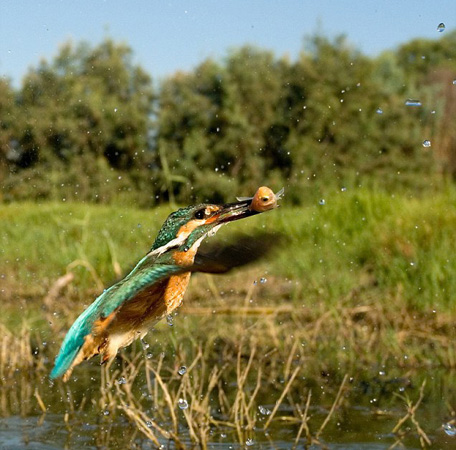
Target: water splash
{"points": [[182, 403], [263, 410], [449, 428], [412, 102]]}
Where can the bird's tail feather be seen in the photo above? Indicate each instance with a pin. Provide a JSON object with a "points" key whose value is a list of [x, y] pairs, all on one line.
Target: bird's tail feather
{"points": [[64, 362], [73, 342]]}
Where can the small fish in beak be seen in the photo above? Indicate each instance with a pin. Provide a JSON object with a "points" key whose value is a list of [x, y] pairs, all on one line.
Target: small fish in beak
{"points": [[265, 199]]}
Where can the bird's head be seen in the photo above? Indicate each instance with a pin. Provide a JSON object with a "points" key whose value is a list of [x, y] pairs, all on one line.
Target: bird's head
{"points": [[185, 229]]}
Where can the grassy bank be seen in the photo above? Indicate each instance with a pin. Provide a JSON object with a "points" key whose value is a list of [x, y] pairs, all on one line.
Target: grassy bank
{"points": [[362, 286], [357, 241], [374, 271]]}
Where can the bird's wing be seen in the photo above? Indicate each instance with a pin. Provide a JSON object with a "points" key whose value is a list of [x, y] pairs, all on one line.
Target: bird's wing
{"points": [[142, 276], [243, 250]]}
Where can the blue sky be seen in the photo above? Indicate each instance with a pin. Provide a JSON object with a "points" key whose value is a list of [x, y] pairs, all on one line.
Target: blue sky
{"points": [[170, 35]]}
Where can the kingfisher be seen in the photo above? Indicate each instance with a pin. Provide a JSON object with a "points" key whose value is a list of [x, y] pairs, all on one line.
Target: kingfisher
{"points": [[157, 284]]}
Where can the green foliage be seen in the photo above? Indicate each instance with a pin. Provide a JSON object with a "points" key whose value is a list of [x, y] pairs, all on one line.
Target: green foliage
{"points": [[84, 117], [90, 126], [430, 66], [420, 57], [334, 117], [7, 121]]}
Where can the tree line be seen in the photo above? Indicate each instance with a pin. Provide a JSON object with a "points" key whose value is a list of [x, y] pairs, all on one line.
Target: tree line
{"points": [[91, 125]]}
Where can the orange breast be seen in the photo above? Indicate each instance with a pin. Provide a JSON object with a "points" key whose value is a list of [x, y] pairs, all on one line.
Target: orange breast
{"points": [[175, 290], [133, 319], [150, 305]]}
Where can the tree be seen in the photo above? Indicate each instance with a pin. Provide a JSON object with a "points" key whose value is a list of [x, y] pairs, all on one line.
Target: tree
{"points": [[430, 65], [213, 123], [87, 105], [7, 118], [347, 119]]}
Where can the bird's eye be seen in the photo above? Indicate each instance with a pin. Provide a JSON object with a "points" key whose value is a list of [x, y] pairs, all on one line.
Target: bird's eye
{"points": [[200, 214]]}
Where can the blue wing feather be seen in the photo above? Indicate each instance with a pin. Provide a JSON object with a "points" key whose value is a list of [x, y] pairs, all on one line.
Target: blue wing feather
{"points": [[142, 276]]}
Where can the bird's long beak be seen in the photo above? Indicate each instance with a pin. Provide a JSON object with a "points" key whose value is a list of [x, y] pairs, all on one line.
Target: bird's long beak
{"points": [[235, 211]]}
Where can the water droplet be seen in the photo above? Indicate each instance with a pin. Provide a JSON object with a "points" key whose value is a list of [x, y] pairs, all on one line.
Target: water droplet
{"points": [[449, 429], [149, 356], [412, 102], [379, 111], [182, 403], [343, 189], [441, 27], [263, 410], [182, 370], [145, 345], [322, 202], [263, 280], [255, 282], [223, 435], [121, 380], [249, 442], [115, 109], [106, 412], [426, 143], [454, 81], [149, 424], [169, 320]]}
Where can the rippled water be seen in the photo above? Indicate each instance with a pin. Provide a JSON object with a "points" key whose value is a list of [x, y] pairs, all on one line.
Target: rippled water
{"points": [[366, 423]]}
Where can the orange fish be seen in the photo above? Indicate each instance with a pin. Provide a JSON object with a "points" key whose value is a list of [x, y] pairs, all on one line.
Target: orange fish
{"points": [[264, 199]]}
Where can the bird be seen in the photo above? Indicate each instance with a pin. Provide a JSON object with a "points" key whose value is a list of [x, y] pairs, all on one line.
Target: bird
{"points": [[156, 286]]}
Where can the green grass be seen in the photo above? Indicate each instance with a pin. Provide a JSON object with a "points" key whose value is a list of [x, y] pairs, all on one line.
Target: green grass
{"points": [[362, 240]]}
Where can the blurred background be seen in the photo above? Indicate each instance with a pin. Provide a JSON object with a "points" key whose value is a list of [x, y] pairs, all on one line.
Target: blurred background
{"points": [[190, 101]]}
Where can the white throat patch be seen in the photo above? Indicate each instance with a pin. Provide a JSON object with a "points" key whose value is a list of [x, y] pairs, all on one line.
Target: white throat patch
{"points": [[179, 240]]}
